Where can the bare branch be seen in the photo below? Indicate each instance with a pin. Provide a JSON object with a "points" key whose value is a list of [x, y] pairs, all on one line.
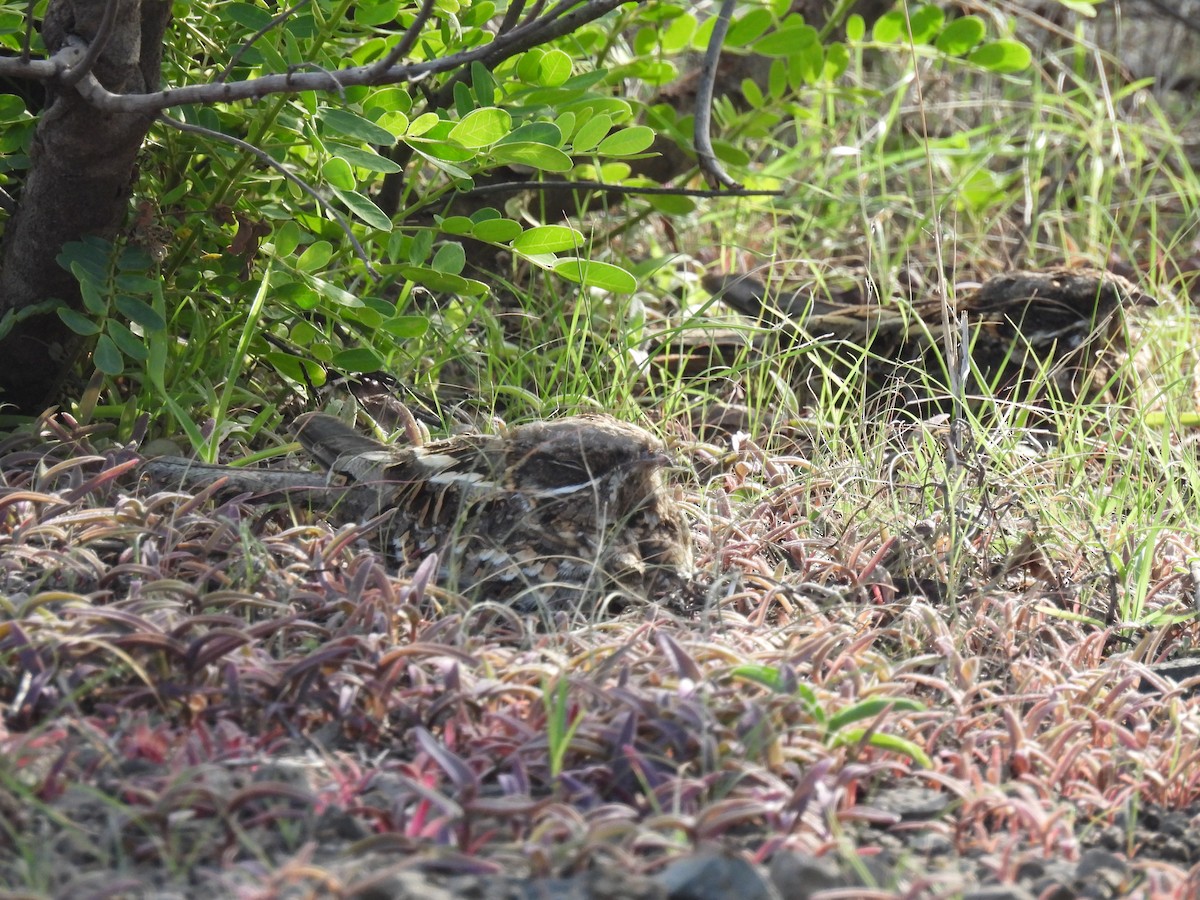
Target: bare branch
{"points": [[279, 167], [563, 19], [714, 174], [536, 11], [95, 47], [43, 69], [510, 16], [27, 39], [612, 189], [407, 39], [275, 22]]}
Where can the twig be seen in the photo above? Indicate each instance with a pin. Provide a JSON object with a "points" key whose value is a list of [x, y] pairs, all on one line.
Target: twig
{"points": [[278, 20], [27, 38], [95, 46], [279, 167], [613, 189], [565, 20], [406, 40], [711, 168], [510, 16], [562, 19]]}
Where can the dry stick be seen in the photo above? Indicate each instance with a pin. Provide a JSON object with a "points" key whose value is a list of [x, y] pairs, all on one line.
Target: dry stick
{"points": [[515, 8], [96, 46], [267, 159], [714, 174], [406, 40], [564, 18], [28, 36], [275, 22], [560, 21], [535, 12], [612, 188]]}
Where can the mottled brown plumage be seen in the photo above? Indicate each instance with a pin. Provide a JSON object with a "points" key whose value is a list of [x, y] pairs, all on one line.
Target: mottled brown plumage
{"points": [[547, 514], [1017, 324]]}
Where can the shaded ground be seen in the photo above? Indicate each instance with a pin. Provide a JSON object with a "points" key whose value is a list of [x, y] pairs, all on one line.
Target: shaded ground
{"points": [[211, 701]]}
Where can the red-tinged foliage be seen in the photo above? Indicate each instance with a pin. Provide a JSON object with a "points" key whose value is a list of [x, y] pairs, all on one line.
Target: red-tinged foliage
{"points": [[208, 688]]}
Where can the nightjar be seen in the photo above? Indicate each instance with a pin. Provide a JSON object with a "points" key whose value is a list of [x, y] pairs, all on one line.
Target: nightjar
{"points": [[1061, 328], [545, 515]]}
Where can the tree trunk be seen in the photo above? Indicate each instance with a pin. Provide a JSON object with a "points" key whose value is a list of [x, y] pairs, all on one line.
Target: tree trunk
{"points": [[81, 176]]}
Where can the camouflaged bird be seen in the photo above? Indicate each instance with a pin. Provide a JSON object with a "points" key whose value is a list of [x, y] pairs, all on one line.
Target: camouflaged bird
{"points": [[1020, 326], [547, 514]]}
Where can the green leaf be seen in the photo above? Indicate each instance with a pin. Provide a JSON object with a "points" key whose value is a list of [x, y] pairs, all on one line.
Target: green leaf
{"points": [[548, 239], [359, 359], [1002, 56], [483, 85], [960, 36], [296, 368], [87, 259], [442, 150], [363, 158], [555, 68], [767, 676], [678, 34], [364, 208], [421, 247], [141, 312], [481, 128], [837, 58], [136, 284], [93, 299], [870, 708], [333, 293], [287, 238], [78, 323], [535, 133], [107, 357], [338, 173], [889, 27], [390, 99], [375, 12], [890, 742], [344, 122], [786, 41], [627, 141], [672, 206], [926, 23], [316, 256], [456, 225], [405, 326], [538, 156], [856, 28], [443, 281], [496, 231], [591, 132], [601, 275], [529, 65], [12, 108], [421, 124], [748, 27], [129, 343], [246, 14], [449, 259]]}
